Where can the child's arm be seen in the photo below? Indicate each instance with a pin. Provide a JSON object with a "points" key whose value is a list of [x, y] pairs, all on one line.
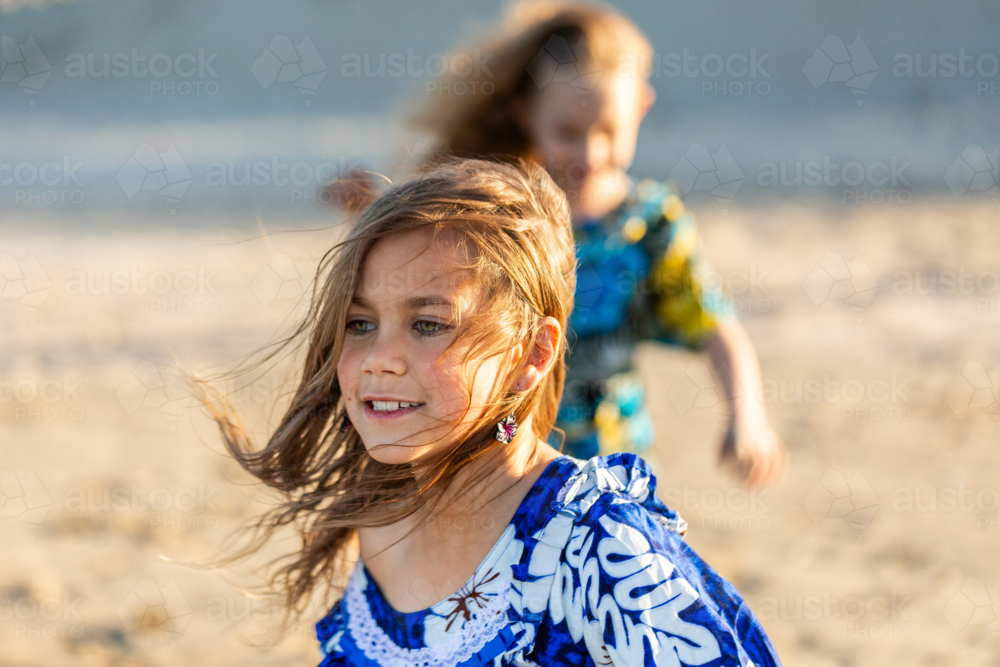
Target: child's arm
{"points": [[692, 310], [751, 448]]}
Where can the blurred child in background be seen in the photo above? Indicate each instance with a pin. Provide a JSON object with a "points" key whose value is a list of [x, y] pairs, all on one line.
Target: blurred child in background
{"points": [[565, 85]]}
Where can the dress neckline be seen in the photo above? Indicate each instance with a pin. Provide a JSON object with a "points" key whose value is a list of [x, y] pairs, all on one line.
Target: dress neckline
{"points": [[520, 517]]}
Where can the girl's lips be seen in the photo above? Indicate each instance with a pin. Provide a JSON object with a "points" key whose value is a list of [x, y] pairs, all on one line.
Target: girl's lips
{"points": [[383, 415]]}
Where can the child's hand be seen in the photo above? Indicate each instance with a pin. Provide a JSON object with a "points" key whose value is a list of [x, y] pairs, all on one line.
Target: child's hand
{"points": [[351, 193], [753, 452]]}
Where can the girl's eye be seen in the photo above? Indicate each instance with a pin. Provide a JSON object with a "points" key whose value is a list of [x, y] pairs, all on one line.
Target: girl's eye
{"points": [[428, 327], [358, 327]]}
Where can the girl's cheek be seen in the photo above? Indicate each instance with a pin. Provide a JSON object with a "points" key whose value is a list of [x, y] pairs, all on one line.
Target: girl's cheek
{"points": [[445, 388], [347, 368]]}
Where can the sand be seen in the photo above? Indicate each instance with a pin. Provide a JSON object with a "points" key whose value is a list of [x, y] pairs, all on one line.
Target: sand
{"points": [[877, 331]]}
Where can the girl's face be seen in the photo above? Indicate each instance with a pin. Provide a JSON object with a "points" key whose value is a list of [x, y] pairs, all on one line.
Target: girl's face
{"points": [[586, 138], [404, 392]]}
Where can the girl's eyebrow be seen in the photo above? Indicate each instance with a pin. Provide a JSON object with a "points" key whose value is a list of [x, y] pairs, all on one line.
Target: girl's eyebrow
{"points": [[424, 301], [412, 303], [361, 302]]}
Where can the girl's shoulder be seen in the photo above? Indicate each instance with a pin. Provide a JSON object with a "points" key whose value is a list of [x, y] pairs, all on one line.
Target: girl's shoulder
{"points": [[628, 590], [624, 480]]}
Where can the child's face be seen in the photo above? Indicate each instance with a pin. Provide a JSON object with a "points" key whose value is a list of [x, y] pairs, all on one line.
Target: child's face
{"points": [[585, 139], [399, 324]]}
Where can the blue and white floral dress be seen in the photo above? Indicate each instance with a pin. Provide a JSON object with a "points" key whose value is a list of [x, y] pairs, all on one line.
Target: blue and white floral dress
{"points": [[592, 570]]}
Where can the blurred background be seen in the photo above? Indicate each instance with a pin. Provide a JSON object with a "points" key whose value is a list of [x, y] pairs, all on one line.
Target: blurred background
{"points": [[161, 206]]}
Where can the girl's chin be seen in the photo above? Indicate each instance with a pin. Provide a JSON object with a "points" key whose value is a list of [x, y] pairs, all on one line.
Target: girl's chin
{"points": [[398, 454], [399, 449]]}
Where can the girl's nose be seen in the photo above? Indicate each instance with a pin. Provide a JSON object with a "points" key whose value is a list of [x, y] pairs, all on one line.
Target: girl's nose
{"points": [[385, 356]]}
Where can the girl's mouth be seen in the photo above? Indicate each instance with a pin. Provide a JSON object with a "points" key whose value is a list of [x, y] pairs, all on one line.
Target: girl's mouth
{"points": [[381, 410]]}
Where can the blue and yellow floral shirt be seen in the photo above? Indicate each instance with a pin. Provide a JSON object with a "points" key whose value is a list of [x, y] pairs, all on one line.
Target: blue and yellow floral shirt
{"points": [[592, 570], [641, 275]]}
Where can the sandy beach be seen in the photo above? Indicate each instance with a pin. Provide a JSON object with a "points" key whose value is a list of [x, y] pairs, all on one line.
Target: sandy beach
{"points": [[877, 328]]}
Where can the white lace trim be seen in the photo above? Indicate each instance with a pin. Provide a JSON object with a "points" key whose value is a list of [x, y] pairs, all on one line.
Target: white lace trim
{"points": [[465, 643]]}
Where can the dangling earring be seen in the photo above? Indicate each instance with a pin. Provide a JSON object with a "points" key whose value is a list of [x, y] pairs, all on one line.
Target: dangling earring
{"points": [[506, 429], [346, 424]]}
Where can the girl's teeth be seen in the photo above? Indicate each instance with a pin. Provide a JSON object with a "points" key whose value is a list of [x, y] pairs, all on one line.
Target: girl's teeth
{"points": [[390, 406]]}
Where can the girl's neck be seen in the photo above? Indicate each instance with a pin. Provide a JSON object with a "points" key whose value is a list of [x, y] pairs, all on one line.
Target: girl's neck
{"points": [[489, 479], [481, 494], [424, 558]]}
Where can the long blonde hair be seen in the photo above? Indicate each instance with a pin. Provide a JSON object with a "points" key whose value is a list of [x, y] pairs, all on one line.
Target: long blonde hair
{"points": [[478, 116], [515, 221]]}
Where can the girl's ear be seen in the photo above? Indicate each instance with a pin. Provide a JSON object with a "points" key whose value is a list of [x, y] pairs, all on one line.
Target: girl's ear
{"points": [[541, 356], [648, 99]]}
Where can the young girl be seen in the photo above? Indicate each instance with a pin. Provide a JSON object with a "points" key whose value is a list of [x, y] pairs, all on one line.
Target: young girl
{"points": [[565, 86], [432, 379]]}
